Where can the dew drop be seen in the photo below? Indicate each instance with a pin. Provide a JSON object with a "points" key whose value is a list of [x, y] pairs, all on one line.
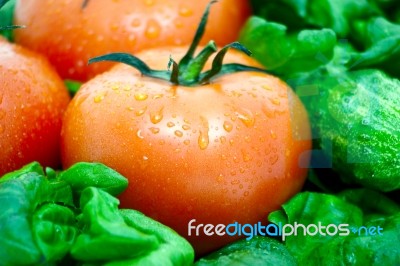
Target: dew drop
{"points": [[135, 22], [178, 133], [220, 178], [235, 182], [246, 116], [170, 124], [152, 30], [157, 116], [222, 139], [140, 96], [186, 142], [186, 127], [139, 134], [141, 111], [246, 156], [154, 130], [157, 96], [275, 101], [273, 159], [203, 140], [98, 98], [228, 126], [161, 142], [149, 2], [273, 134], [185, 12]]}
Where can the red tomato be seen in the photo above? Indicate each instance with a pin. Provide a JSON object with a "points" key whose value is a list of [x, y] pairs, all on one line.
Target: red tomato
{"points": [[33, 99], [218, 153], [69, 35]]}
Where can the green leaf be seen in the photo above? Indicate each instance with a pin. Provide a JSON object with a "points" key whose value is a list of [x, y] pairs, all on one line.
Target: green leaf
{"points": [[54, 230], [104, 229], [381, 40], [33, 167], [173, 249], [82, 175], [18, 200], [287, 53], [334, 14], [257, 251]]}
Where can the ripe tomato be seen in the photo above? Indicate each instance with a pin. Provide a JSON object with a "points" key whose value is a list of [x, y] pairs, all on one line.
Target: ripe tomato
{"points": [[69, 35], [218, 153], [32, 102]]}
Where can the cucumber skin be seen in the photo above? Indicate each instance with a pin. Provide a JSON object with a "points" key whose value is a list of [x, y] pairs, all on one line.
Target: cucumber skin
{"points": [[355, 118]]}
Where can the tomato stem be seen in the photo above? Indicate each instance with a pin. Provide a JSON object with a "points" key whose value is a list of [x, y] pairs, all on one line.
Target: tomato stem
{"points": [[188, 71]]}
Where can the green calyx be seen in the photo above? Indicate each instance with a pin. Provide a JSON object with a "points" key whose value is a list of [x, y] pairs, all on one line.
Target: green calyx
{"points": [[187, 71]]}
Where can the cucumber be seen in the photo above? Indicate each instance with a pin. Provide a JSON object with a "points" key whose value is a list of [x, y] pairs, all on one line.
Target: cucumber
{"points": [[355, 118]]}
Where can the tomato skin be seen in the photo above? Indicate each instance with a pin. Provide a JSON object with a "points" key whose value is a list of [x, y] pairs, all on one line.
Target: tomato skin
{"points": [[33, 99], [217, 153], [106, 26]]}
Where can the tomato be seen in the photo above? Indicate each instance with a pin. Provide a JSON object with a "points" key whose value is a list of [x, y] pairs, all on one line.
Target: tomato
{"points": [[32, 102], [69, 35], [221, 152]]}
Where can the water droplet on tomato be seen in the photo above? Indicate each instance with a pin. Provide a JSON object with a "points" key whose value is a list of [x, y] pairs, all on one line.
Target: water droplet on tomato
{"points": [[178, 23], [203, 140], [275, 101], [185, 12], [186, 142], [154, 130], [246, 157], [114, 27], [135, 22], [152, 30], [228, 126], [246, 116], [140, 96], [222, 139], [149, 2], [170, 124], [235, 181], [273, 159], [98, 98], [141, 111], [265, 87], [220, 178], [273, 134], [178, 133], [185, 127], [157, 96], [157, 116], [139, 134]]}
